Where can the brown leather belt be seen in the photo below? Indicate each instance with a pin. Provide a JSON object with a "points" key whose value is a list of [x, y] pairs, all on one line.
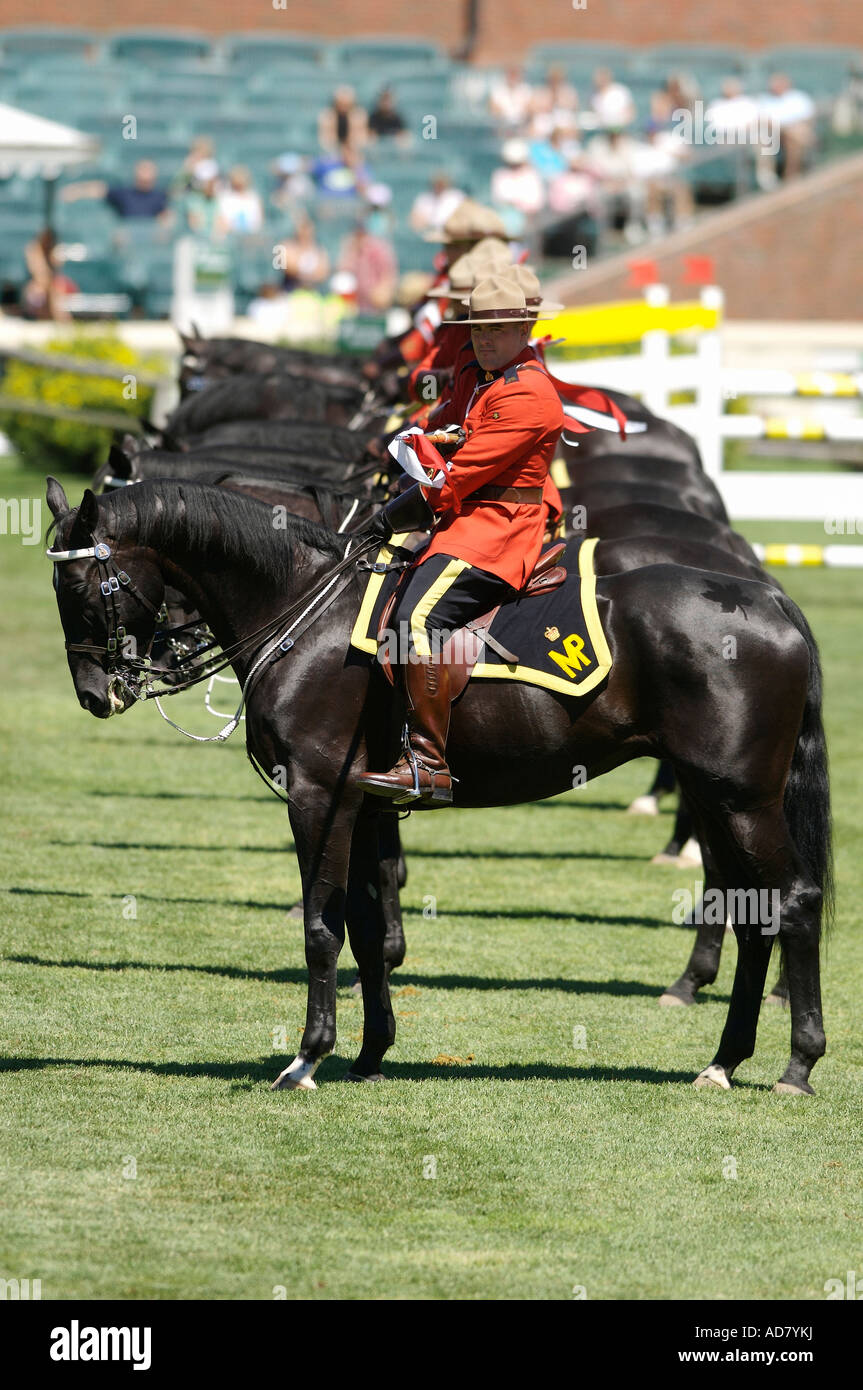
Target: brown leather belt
{"points": [[531, 496]]}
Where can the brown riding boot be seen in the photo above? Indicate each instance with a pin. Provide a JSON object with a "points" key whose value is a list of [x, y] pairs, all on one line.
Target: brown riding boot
{"points": [[421, 773]]}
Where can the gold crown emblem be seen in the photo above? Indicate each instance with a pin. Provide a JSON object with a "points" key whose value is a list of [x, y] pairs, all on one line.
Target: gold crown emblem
{"points": [[552, 633]]}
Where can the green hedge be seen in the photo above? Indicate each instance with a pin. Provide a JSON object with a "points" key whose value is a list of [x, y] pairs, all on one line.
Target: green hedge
{"points": [[45, 440]]}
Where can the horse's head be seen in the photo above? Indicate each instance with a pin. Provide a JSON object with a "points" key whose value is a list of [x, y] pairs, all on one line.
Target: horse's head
{"points": [[109, 593]]}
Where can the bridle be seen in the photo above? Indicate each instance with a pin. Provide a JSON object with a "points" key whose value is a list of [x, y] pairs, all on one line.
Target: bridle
{"points": [[135, 674], [112, 581]]}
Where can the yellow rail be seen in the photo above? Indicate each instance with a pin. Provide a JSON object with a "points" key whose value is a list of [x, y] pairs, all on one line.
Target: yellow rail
{"points": [[627, 321]]}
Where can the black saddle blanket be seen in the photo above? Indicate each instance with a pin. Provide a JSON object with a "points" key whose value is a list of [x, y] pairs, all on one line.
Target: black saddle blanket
{"points": [[557, 636]]}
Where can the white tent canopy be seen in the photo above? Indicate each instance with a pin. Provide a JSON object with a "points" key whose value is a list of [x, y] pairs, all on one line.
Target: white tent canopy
{"points": [[31, 145]]}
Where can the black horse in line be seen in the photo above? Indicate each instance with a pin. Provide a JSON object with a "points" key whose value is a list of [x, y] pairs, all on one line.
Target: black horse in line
{"points": [[745, 736]]}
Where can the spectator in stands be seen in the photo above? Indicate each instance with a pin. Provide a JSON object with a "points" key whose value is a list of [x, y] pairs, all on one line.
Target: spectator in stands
{"points": [[239, 207], [550, 156], [572, 198], [340, 174], [668, 197], [42, 296], [517, 185], [199, 166], [385, 122], [611, 101], [612, 158], [371, 261], [141, 198], [431, 209], [554, 106], [510, 100], [733, 115], [294, 186], [343, 122], [305, 264], [680, 94], [793, 112], [201, 209]]}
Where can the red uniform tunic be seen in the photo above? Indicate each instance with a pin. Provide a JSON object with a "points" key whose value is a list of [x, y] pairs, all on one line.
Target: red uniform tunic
{"points": [[512, 429], [448, 341], [456, 401]]}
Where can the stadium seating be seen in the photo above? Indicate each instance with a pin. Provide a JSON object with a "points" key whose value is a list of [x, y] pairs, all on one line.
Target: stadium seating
{"points": [[20, 43], [259, 96], [245, 53], [159, 47], [697, 59]]}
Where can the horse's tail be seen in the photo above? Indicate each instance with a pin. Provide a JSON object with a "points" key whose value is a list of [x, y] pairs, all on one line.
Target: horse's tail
{"points": [[807, 793]]}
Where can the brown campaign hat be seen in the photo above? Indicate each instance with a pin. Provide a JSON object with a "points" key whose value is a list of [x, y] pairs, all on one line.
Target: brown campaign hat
{"points": [[498, 299], [461, 278], [528, 281], [470, 221], [493, 253]]}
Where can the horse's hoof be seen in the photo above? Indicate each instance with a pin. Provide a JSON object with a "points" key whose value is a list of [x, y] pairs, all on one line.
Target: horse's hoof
{"points": [[690, 856], [375, 1076], [644, 806], [787, 1088], [287, 1083], [672, 1001], [299, 1076], [663, 858], [713, 1076]]}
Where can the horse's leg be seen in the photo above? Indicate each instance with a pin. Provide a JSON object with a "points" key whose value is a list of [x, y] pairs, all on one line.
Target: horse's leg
{"points": [[779, 992], [391, 862], [759, 842], [369, 930], [703, 963], [800, 937], [663, 785], [322, 835], [679, 851]]}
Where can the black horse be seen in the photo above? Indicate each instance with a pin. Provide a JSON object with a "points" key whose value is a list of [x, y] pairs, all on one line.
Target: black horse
{"points": [[745, 736]]}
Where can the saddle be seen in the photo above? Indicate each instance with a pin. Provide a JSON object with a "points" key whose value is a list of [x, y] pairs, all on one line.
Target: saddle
{"points": [[462, 651]]}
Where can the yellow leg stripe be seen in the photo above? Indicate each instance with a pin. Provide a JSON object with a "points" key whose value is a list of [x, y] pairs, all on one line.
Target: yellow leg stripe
{"points": [[560, 473], [436, 591]]}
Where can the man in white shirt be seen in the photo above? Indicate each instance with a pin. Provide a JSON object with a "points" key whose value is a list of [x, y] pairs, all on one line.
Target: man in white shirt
{"points": [[611, 101], [793, 113], [733, 115], [239, 207], [431, 209], [511, 100]]}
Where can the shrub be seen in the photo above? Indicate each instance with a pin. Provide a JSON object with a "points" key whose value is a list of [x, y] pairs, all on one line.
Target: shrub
{"points": [[50, 440]]}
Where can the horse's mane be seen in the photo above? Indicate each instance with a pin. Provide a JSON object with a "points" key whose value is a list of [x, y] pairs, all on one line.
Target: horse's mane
{"points": [[223, 525]]}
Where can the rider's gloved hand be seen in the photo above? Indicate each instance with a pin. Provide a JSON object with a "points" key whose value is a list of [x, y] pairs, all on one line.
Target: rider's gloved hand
{"points": [[409, 511]]}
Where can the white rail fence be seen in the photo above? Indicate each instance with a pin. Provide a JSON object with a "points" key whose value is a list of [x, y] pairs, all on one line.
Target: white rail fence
{"points": [[655, 374]]}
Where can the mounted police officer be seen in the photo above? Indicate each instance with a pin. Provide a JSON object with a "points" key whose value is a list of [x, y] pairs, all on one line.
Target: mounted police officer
{"points": [[491, 522]]}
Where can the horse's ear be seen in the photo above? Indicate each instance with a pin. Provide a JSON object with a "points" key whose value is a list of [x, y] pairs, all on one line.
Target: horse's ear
{"points": [[56, 498], [88, 513], [130, 444], [120, 462], [197, 335]]}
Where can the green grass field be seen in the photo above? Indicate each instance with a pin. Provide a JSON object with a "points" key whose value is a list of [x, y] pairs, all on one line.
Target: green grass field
{"points": [[149, 962]]}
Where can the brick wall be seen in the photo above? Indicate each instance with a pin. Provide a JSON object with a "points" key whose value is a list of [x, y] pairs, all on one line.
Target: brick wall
{"points": [[792, 254], [507, 27]]}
